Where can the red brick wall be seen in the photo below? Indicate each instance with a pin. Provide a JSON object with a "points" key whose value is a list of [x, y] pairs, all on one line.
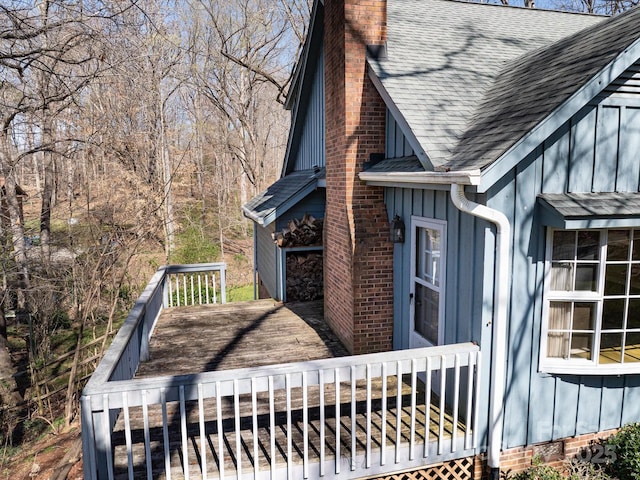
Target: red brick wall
{"points": [[520, 459], [358, 258]]}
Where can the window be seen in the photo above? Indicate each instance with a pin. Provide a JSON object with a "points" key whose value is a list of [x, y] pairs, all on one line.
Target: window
{"points": [[592, 302], [428, 257]]}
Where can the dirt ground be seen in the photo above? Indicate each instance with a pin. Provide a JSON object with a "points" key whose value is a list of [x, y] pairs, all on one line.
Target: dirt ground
{"points": [[54, 457]]}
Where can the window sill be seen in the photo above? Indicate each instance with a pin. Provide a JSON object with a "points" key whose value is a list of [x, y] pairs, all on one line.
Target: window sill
{"points": [[588, 368]]}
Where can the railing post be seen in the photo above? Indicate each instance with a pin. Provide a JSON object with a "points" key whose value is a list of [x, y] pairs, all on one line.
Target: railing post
{"points": [[89, 446], [223, 284]]}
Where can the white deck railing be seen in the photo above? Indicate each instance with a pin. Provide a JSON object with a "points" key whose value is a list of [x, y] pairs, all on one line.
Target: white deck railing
{"points": [[200, 284], [131, 344], [367, 415]]}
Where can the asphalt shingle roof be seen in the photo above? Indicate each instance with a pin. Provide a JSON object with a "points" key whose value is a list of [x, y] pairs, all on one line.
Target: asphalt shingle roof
{"points": [[471, 79], [279, 197], [587, 205]]}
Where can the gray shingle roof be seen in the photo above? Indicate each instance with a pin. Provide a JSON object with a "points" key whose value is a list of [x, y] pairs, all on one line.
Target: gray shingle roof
{"points": [[471, 79], [583, 205], [282, 195]]}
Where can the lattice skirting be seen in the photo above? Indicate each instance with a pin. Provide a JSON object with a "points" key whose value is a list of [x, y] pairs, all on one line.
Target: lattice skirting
{"points": [[460, 469]]}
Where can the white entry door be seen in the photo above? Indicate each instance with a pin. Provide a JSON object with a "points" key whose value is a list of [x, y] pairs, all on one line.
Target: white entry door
{"points": [[428, 242]]}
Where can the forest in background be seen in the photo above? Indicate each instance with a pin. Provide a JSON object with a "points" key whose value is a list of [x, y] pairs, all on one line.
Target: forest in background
{"points": [[131, 132]]}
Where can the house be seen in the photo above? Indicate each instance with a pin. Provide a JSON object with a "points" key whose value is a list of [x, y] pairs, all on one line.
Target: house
{"points": [[507, 141]]}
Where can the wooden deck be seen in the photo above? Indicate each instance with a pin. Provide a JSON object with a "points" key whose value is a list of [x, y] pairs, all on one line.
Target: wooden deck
{"points": [[238, 335], [222, 337]]}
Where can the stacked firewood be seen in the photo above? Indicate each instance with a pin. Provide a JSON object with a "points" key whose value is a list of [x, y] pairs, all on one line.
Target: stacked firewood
{"points": [[300, 233], [304, 276]]}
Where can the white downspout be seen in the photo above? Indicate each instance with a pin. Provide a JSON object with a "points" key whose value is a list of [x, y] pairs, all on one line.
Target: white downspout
{"points": [[500, 301]]}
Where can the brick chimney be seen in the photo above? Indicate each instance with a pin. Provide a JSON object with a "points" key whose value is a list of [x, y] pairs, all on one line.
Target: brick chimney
{"points": [[358, 255]]}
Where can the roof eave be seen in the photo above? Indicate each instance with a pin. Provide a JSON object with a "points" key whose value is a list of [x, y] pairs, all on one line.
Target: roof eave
{"points": [[405, 179], [532, 139]]}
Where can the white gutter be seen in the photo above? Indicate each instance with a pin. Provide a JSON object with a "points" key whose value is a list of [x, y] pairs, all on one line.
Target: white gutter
{"points": [[500, 302], [463, 177]]}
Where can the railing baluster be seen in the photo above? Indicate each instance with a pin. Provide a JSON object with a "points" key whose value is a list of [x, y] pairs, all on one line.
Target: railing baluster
{"points": [[203, 432], [427, 408], [199, 289], [206, 287], [368, 444], [236, 415], [165, 435], [305, 427], [147, 439], [398, 408], [183, 430], [213, 284], [443, 380], [456, 401], [272, 427], [468, 416], [476, 408], [193, 293], [322, 420], [127, 434], [287, 382], [383, 433], [170, 291], [414, 386], [220, 430], [338, 422], [177, 277], [107, 434], [353, 417], [254, 420], [184, 286]]}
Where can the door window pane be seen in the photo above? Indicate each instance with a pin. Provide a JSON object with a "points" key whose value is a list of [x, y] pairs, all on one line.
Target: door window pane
{"points": [[427, 304]]}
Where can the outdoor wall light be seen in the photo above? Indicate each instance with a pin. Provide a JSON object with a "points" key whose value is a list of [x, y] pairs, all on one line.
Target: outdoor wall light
{"points": [[397, 230]]}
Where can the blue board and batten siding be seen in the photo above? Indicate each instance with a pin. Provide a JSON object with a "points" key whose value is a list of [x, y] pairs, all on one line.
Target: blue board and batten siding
{"points": [[307, 147], [396, 144], [597, 151], [313, 204], [267, 258], [467, 302]]}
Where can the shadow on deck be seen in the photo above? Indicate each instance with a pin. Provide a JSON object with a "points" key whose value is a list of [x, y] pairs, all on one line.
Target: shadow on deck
{"points": [[301, 429]]}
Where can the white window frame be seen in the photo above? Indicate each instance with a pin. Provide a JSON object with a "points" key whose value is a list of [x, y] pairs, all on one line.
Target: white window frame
{"points": [[577, 366], [441, 227]]}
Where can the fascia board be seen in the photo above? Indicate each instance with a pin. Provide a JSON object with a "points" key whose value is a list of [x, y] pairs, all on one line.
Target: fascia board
{"points": [[507, 161], [400, 120]]}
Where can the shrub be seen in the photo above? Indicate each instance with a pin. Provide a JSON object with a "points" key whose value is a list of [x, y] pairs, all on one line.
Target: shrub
{"points": [[538, 472], [626, 446]]}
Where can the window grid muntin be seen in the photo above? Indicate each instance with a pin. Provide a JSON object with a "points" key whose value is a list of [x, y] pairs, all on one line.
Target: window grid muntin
{"points": [[596, 296]]}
